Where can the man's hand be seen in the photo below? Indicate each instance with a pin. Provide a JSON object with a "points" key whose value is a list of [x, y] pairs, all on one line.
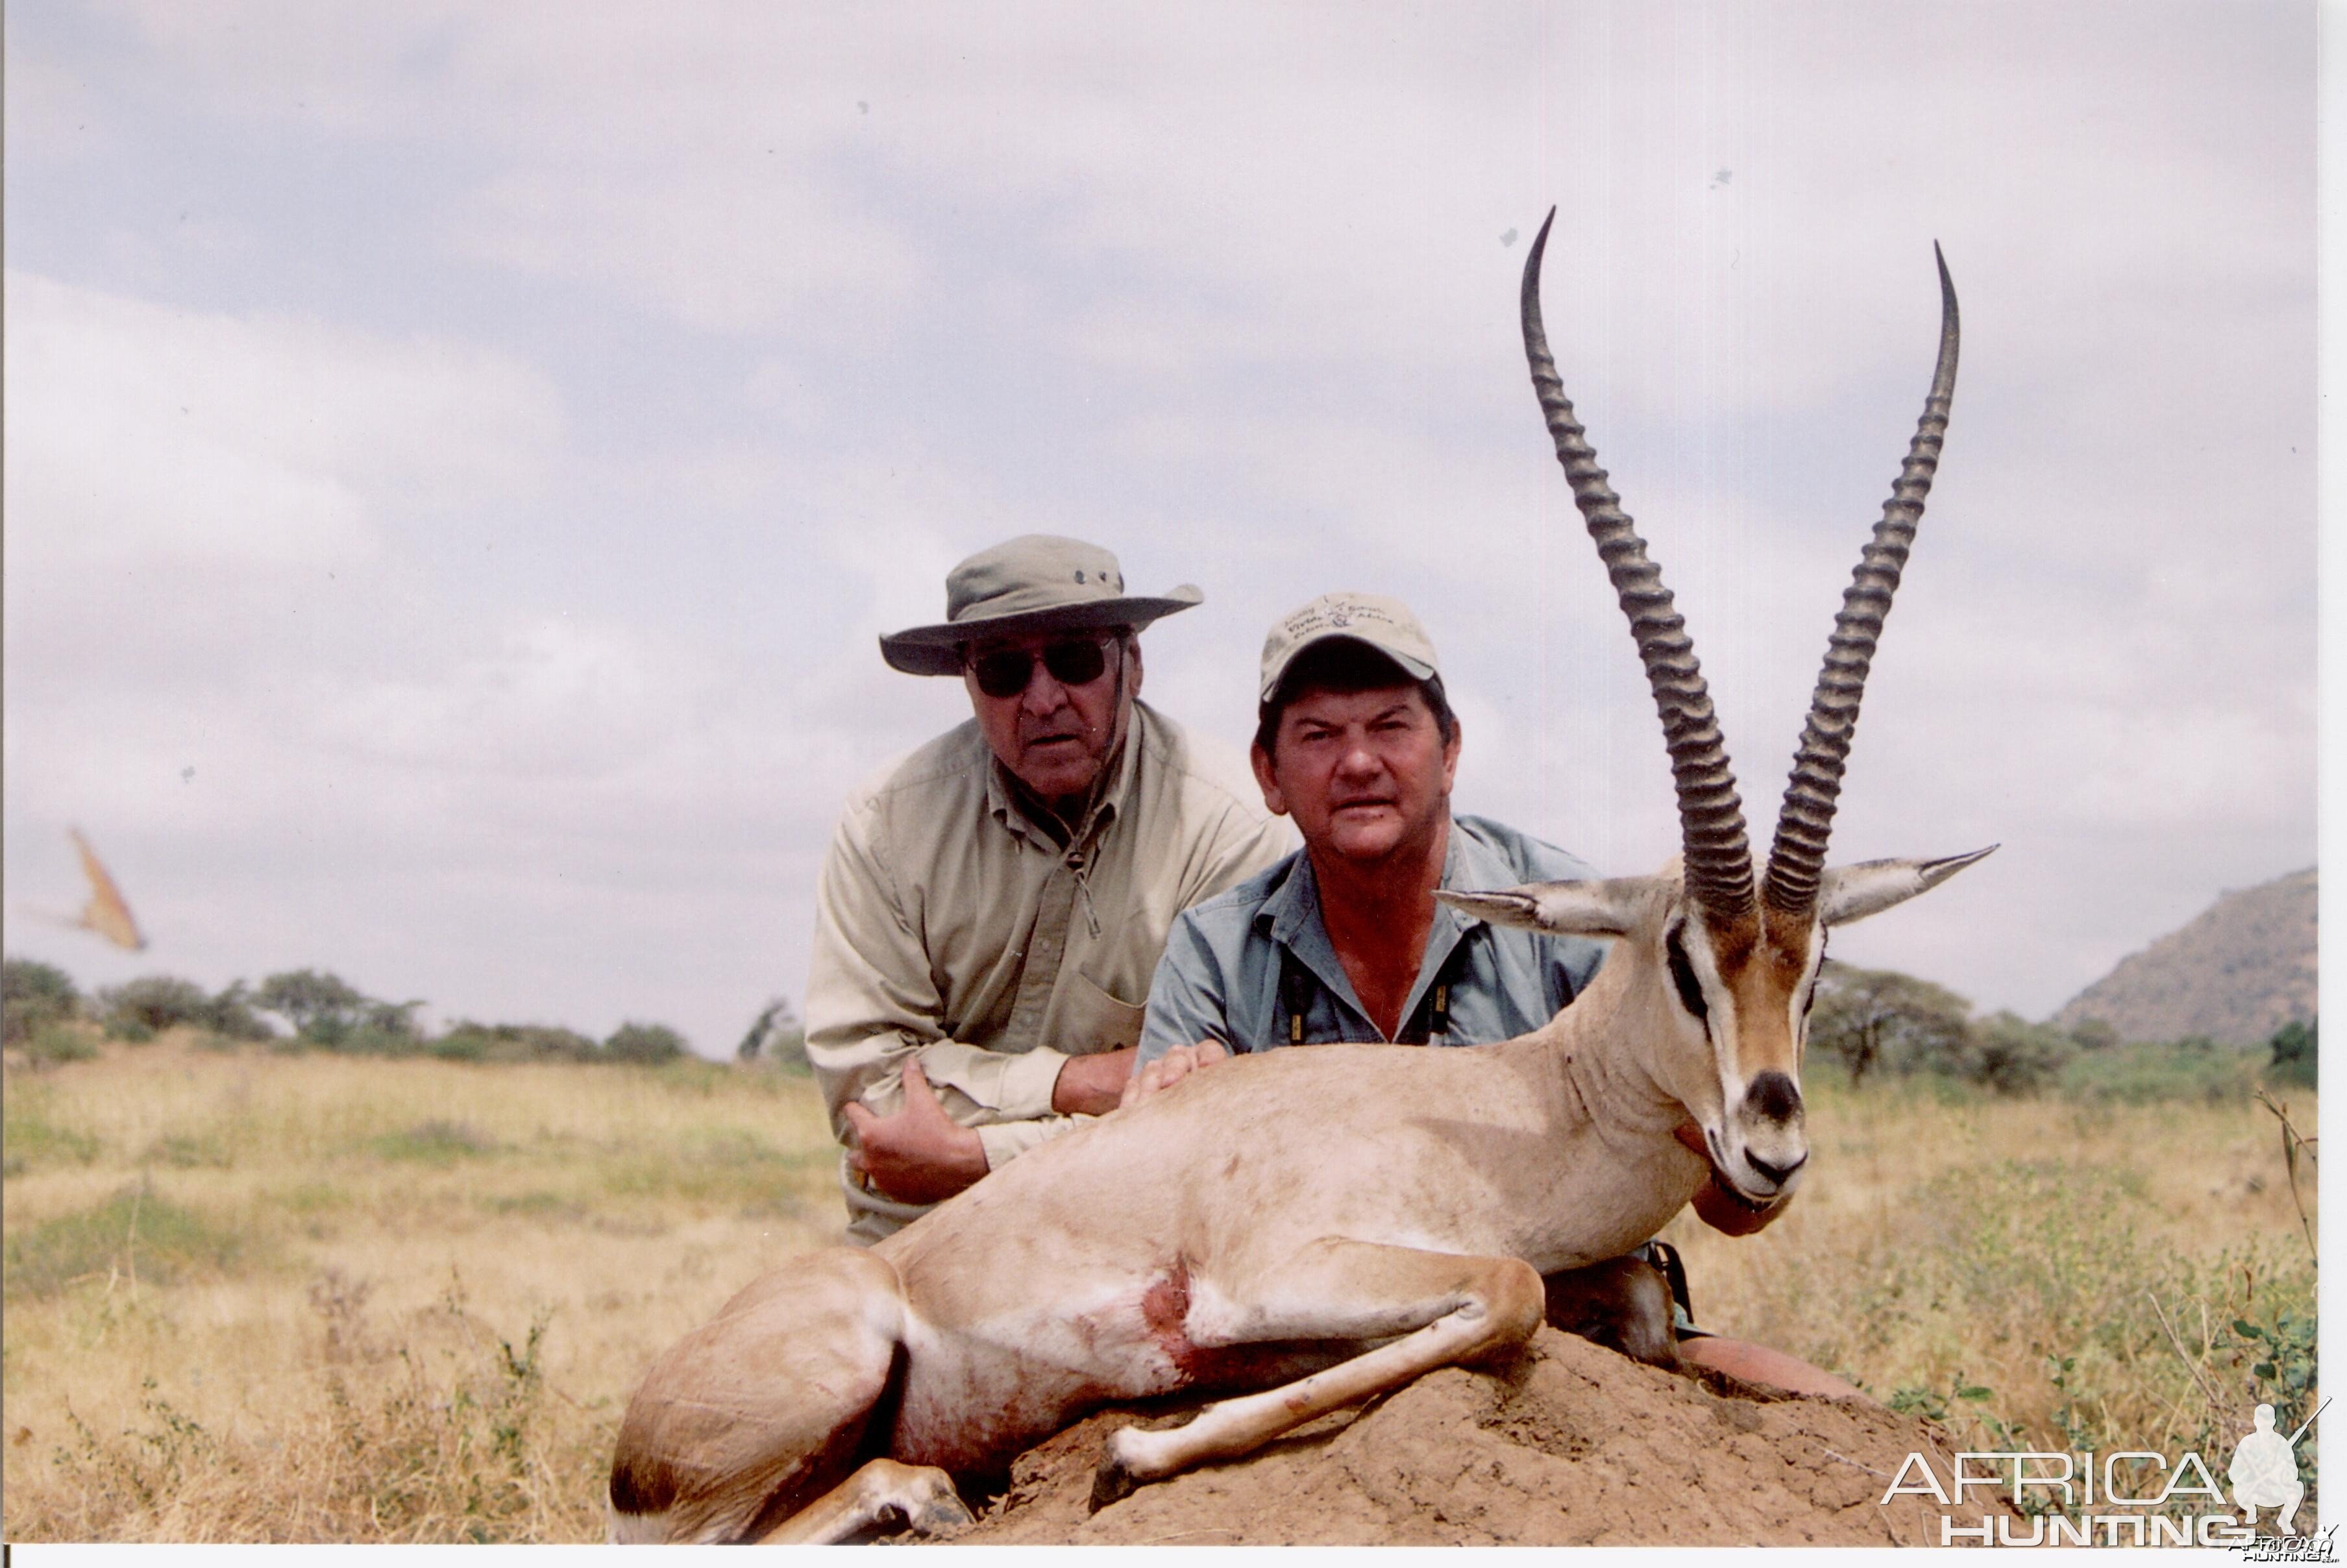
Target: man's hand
{"points": [[1091, 1085], [920, 1155], [1172, 1068], [1720, 1205]]}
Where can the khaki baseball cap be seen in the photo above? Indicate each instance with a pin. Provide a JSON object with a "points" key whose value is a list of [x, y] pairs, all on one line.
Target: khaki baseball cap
{"points": [[1037, 582], [1385, 624]]}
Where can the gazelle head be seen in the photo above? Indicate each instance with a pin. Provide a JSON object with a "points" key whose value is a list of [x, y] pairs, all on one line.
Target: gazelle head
{"points": [[1741, 961]]}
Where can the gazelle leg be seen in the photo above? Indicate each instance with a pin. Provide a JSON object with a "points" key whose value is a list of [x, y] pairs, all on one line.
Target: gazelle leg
{"points": [[923, 1493], [1446, 1308], [747, 1418]]}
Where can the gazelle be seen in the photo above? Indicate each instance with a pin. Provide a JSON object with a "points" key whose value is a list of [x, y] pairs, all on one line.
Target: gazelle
{"points": [[1307, 1228]]}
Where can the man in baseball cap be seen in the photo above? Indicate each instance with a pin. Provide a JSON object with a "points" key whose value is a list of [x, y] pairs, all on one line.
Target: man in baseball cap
{"points": [[1356, 741], [1343, 940], [992, 906]]}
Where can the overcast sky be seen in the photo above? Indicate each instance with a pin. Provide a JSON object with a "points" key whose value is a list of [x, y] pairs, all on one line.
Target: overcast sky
{"points": [[459, 455]]}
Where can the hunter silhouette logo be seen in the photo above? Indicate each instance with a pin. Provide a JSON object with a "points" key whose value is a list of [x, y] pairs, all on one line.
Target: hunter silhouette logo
{"points": [[2264, 1472], [2072, 1499]]}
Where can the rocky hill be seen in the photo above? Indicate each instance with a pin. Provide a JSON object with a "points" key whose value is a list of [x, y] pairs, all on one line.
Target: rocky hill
{"points": [[2236, 974]]}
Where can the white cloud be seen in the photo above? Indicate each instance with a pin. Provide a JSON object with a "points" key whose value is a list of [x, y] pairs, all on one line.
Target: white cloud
{"points": [[138, 432]]}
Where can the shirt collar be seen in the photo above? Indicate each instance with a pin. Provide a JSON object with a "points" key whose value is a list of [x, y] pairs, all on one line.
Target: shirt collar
{"points": [[1290, 916]]}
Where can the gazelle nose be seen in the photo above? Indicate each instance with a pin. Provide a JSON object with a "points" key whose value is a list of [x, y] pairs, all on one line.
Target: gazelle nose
{"points": [[1779, 1175], [1773, 1097]]}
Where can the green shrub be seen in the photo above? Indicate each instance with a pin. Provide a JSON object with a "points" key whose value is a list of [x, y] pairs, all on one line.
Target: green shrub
{"points": [[644, 1043], [465, 1040], [153, 1003], [2094, 1034], [2008, 1055], [2145, 1073], [59, 1042], [2293, 1055], [32, 995]]}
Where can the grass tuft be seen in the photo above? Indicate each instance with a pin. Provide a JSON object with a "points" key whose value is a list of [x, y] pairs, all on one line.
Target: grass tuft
{"points": [[435, 1142], [135, 1234], [30, 1138]]}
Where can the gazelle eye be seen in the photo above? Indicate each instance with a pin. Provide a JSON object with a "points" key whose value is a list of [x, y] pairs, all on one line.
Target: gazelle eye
{"points": [[1683, 976]]}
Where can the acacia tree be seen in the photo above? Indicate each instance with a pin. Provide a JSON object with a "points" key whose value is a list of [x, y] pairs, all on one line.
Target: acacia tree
{"points": [[320, 1007], [1880, 1018], [776, 1038]]}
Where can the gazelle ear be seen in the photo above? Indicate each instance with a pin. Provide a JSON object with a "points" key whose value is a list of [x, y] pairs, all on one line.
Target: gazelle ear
{"points": [[1850, 893], [1608, 908]]}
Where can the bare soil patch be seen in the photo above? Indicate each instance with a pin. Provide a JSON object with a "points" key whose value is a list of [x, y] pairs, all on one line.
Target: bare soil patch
{"points": [[1566, 1444]]}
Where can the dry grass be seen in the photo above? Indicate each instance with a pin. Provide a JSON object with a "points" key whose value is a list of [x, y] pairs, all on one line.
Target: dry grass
{"points": [[259, 1298]]}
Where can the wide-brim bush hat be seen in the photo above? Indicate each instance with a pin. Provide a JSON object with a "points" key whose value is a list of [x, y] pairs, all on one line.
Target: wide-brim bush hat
{"points": [[1036, 582], [1383, 622]]}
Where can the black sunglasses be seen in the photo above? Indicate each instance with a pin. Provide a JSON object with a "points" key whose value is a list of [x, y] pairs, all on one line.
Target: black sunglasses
{"points": [[1077, 661]]}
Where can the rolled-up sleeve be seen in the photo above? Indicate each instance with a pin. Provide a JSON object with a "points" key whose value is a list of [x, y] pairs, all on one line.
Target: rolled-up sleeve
{"points": [[873, 1006]]}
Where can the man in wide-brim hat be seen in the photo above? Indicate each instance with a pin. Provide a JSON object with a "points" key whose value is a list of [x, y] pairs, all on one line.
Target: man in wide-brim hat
{"points": [[992, 906]]}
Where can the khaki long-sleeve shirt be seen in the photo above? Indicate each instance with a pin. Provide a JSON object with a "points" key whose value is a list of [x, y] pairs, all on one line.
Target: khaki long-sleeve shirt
{"points": [[952, 930]]}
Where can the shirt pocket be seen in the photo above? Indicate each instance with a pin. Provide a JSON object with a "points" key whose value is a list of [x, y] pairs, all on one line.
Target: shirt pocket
{"points": [[1092, 1021]]}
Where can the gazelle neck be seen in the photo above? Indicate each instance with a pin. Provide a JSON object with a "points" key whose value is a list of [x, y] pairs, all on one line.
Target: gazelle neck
{"points": [[1603, 1065]]}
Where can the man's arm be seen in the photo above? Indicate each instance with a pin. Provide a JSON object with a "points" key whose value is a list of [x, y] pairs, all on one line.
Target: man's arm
{"points": [[873, 1010]]}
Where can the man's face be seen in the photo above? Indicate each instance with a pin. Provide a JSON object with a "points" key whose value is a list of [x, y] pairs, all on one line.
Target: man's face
{"points": [[1055, 735], [1363, 772]]}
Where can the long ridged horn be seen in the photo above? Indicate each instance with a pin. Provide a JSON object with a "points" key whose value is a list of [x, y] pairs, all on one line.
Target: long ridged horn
{"points": [[1718, 861], [1798, 857]]}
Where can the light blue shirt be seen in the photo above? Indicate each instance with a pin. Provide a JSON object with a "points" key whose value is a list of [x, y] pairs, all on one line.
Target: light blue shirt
{"points": [[1242, 966]]}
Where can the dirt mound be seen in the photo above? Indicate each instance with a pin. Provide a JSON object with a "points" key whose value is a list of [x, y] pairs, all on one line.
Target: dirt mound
{"points": [[1569, 1444]]}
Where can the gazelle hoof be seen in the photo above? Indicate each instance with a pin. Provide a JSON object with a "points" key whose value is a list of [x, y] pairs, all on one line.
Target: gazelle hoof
{"points": [[1113, 1482], [932, 1507]]}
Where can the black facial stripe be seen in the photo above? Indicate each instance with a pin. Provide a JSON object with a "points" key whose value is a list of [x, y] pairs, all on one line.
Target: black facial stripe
{"points": [[1683, 976]]}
